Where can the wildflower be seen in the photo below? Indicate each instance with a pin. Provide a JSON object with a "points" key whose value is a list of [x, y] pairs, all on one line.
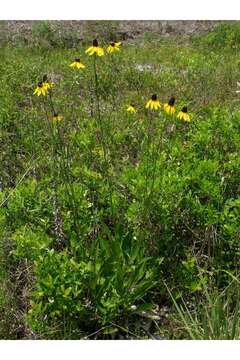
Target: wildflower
{"points": [[77, 64], [153, 103], [169, 108], [47, 84], [95, 49], [56, 117], [99, 152], [40, 89], [113, 46], [131, 108], [183, 115]]}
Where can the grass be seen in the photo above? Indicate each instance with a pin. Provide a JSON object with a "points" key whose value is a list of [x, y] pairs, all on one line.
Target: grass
{"points": [[103, 208], [214, 317]]}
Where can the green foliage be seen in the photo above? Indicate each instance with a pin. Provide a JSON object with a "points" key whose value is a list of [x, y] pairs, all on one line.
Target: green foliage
{"points": [[105, 206], [28, 205], [28, 244], [76, 294], [215, 316], [224, 35]]}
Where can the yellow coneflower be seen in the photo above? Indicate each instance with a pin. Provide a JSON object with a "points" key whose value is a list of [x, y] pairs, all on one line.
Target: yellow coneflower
{"points": [[77, 64], [169, 107], [40, 89], [47, 84], [95, 49], [56, 117], [183, 115], [113, 46], [131, 108], [153, 103], [98, 151]]}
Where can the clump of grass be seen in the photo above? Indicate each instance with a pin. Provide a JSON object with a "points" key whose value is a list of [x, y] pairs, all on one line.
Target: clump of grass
{"points": [[12, 324], [213, 315]]}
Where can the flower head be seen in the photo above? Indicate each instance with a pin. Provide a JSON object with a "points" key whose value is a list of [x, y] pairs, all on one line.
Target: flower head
{"points": [[113, 47], [56, 117], [47, 84], [153, 103], [169, 107], [40, 89], [95, 49], [99, 152], [131, 108], [183, 115], [77, 64]]}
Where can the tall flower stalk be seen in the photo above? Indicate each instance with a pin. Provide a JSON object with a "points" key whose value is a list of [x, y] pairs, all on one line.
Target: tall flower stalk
{"points": [[59, 164], [153, 104], [96, 51]]}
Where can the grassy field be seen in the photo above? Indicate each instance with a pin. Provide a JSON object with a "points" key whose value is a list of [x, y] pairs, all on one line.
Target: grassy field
{"points": [[118, 224]]}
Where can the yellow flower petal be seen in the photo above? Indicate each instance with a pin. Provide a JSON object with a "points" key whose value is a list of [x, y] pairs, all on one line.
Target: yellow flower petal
{"points": [[169, 109], [148, 104], [95, 49], [40, 90], [89, 49], [110, 49], [100, 51], [186, 117], [153, 104], [131, 109]]}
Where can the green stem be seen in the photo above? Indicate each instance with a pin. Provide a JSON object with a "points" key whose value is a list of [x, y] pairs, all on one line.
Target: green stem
{"points": [[65, 174], [156, 148], [51, 102], [146, 167], [103, 142], [59, 164], [99, 119]]}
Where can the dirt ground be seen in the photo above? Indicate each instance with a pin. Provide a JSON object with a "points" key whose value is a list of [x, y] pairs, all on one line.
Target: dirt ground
{"points": [[123, 29]]}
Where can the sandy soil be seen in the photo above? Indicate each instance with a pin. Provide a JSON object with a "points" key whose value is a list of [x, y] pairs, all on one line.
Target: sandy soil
{"points": [[123, 29]]}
